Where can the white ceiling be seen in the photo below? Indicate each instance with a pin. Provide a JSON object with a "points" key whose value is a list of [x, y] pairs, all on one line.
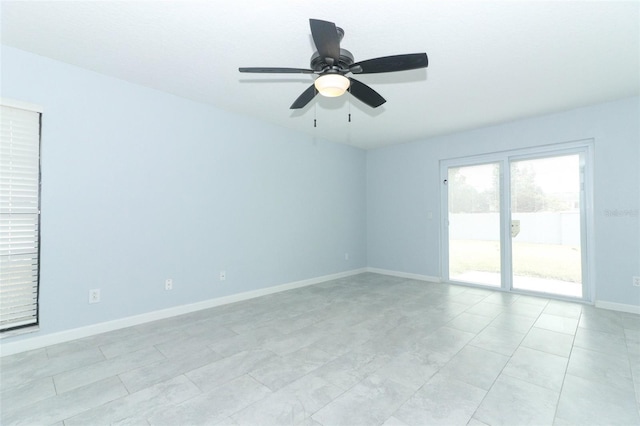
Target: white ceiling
{"points": [[489, 61]]}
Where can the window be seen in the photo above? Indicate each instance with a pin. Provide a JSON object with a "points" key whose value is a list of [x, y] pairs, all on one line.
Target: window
{"points": [[19, 215]]}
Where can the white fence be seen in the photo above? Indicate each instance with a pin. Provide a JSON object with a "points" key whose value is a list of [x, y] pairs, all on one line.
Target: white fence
{"points": [[542, 228]]}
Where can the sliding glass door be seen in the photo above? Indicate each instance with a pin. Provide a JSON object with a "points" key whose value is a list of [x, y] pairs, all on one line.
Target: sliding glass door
{"points": [[474, 224], [545, 208], [517, 220]]}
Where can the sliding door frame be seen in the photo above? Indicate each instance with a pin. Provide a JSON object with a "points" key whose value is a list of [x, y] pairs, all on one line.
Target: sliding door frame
{"points": [[585, 149]]}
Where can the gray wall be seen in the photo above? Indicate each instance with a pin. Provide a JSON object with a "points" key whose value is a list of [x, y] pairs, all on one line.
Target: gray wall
{"points": [[139, 186], [403, 186]]}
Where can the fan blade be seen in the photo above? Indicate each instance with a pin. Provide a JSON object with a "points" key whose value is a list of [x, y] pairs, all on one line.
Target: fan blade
{"points": [[410, 61], [326, 38], [277, 70], [365, 93], [304, 98]]}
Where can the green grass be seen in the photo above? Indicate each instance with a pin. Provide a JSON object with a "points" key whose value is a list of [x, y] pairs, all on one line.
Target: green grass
{"points": [[550, 261]]}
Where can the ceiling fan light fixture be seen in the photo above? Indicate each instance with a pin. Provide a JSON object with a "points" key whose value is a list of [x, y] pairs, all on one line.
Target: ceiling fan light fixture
{"points": [[332, 85], [332, 63]]}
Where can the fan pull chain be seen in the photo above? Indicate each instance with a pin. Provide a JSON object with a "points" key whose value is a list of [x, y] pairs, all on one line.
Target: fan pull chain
{"points": [[349, 89], [349, 116], [315, 109]]}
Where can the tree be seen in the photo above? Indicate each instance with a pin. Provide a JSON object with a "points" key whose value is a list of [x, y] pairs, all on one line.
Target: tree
{"points": [[461, 193], [526, 195]]}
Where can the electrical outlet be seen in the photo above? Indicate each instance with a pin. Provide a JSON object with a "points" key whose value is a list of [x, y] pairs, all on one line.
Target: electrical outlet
{"points": [[636, 281], [223, 275], [346, 256], [94, 295], [168, 284]]}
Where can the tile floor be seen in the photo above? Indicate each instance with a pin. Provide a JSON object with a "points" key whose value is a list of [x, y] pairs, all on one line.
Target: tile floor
{"points": [[364, 350]]}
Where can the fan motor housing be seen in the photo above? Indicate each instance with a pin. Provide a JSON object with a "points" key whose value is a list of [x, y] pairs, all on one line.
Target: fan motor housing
{"points": [[318, 63]]}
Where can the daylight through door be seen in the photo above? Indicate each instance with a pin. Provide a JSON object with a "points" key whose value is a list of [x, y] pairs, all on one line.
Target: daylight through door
{"points": [[474, 224], [516, 220], [546, 238]]}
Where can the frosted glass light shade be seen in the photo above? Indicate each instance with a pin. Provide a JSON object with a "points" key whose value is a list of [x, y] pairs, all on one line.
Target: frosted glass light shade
{"points": [[332, 85]]}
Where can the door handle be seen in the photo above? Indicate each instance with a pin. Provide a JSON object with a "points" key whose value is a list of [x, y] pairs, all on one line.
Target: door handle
{"points": [[515, 228]]}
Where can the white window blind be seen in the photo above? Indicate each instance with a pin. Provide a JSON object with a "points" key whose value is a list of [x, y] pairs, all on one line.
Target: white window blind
{"points": [[19, 217]]}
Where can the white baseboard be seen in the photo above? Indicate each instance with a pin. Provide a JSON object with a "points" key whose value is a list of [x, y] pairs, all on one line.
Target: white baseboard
{"points": [[37, 342], [404, 275], [622, 307]]}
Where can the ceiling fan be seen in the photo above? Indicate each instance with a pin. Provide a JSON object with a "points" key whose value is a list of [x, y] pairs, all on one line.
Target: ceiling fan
{"points": [[332, 63]]}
